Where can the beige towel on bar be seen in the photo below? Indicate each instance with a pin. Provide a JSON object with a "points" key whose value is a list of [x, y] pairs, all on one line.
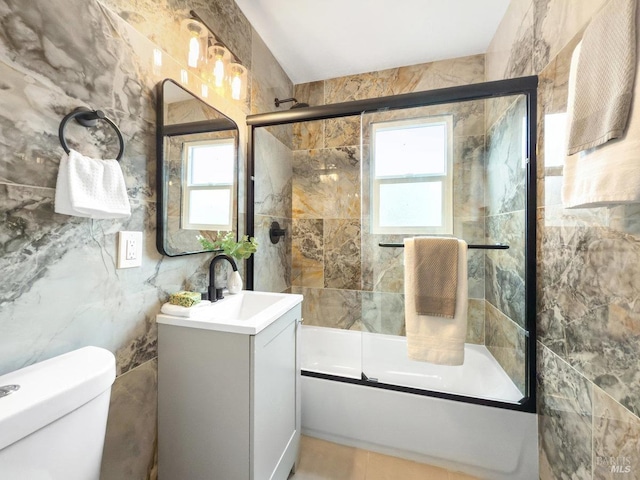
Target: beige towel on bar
{"points": [[607, 175], [436, 275], [430, 338], [604, 77]]}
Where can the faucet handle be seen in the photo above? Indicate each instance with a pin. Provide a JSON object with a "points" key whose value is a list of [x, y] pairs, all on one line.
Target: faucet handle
{"points": [[219, 295]]}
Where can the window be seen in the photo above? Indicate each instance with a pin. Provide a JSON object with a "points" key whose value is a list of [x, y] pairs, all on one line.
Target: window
{"points": [[207, 185], [412, 176]]}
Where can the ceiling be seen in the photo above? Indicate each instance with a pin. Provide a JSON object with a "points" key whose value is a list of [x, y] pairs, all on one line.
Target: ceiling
{"points": [[320, 39]]}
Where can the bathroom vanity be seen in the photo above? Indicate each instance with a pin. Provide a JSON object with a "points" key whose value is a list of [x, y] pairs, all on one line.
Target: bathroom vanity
{"points": [[229, 389]]}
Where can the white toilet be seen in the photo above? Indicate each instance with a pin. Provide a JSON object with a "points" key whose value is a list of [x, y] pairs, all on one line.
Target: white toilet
{"points": [[53, 417]]}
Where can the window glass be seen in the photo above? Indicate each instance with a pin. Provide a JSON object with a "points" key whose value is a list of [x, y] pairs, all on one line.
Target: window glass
{"points": [[207, 189], [210, 207], [411, 204], [211, 163], [403, 151], [412, 181]]}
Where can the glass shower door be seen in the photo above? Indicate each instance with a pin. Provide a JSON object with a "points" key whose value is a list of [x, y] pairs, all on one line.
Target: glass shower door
{"points": [[456, 169]]}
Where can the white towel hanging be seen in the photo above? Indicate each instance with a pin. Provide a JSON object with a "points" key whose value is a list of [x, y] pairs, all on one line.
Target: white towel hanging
{"points": [[91, 188], [435, 339]]}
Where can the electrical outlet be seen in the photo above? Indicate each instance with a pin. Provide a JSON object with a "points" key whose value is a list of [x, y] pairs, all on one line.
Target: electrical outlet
{"points": [[131, 253], [129, 249]]}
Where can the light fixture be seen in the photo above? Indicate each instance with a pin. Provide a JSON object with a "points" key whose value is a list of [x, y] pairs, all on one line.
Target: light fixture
{"points": [[220, 57], [237, 81], [197, 33], [225, 66]]}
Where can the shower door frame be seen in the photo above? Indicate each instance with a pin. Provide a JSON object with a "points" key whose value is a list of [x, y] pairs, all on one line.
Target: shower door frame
{"points": [[526, 86]]}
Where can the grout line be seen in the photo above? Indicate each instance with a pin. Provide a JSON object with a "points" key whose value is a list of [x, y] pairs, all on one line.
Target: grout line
{"points": [[22, 185]]}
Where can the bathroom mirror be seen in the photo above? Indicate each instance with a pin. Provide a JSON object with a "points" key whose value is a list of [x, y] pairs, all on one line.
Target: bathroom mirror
{"points": [[197, 153]]}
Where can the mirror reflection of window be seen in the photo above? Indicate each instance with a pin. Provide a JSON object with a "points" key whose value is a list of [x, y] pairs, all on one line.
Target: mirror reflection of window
{"points": [[412, 181], [207, 185]]}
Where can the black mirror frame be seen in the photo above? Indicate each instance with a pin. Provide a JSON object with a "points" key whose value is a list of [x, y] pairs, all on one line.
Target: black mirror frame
{"points": [[161, 134]]}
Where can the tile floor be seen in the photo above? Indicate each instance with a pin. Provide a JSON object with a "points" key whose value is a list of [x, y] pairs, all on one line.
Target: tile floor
{"points": [[321, 460]]}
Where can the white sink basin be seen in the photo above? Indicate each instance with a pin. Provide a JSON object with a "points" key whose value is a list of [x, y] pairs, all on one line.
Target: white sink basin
{"points": [[247, 312]]}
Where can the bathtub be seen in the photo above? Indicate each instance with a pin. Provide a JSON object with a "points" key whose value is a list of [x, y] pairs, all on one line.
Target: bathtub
{"points": [[480, 440]]}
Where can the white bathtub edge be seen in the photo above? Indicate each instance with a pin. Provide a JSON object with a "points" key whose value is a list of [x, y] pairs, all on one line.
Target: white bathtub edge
{"points": [[486, 442]]}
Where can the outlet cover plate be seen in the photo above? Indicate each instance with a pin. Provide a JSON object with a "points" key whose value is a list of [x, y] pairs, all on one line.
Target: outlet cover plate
{"points": [[129, 249]]}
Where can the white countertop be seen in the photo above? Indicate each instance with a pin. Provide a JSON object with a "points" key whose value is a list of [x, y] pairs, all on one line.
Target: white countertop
{"points": [[247, 312]]}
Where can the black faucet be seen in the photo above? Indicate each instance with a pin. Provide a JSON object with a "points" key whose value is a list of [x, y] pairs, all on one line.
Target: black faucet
{"points": [[215, 294]]}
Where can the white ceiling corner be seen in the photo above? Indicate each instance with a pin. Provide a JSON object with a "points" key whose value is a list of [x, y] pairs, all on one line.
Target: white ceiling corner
{"points": [[320, 39]]}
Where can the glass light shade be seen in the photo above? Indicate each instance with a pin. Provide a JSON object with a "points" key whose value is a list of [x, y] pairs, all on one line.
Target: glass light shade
{"points": [[238, 81], [220, 58], [194, 52], [197, 34]]}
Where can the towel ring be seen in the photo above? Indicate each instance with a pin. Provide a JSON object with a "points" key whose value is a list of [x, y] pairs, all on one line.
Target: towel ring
{"points": [[88, 118]]}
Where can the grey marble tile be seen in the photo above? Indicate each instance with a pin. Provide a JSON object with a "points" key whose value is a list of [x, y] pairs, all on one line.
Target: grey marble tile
{"points": [[476, 321], [274, 174], [616, 439], [342, 132], [112, 308], [383, 313], [327, 307], [307, 263], [587, 311], [468, 176], [565, 409], [269, 81], [342, 257], [382, 267], [505, 168], [39, 93], [130, 448], [505, 269], [510, 53], [272, 263], [326, 183], [309, 135], [555, 23], [506, 342], [311, 93], [429, 76]]}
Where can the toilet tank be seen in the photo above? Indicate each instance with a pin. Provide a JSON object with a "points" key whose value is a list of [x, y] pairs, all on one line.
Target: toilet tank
{"points": [[53, 426]]}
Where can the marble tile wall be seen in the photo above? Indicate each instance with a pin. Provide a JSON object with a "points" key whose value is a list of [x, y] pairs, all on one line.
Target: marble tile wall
{"points": [[60, 288], [348, 280], [587, 319], [273, 174], [505, 202], [504, 223]]}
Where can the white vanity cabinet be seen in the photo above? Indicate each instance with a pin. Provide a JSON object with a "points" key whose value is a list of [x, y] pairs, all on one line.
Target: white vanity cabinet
{"points": [[229, 403]]}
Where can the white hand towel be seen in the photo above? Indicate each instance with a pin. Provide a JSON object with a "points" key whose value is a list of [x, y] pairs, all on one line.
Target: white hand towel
{"points": [[186, 312], [434, 339], [92, 188], [607, 175]]}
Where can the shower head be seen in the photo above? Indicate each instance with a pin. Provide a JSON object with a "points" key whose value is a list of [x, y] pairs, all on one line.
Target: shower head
{"points": [[296, 104]]}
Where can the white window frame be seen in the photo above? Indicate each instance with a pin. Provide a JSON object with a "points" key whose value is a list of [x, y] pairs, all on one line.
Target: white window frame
{"points": [[446, 178], [187, 188]]}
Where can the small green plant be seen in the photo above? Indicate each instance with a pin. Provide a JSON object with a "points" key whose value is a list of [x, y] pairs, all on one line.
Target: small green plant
{"points": [[240, 250]]}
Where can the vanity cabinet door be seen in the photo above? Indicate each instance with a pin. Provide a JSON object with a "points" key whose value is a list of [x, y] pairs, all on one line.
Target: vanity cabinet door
{"points": [[274, 427]]}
